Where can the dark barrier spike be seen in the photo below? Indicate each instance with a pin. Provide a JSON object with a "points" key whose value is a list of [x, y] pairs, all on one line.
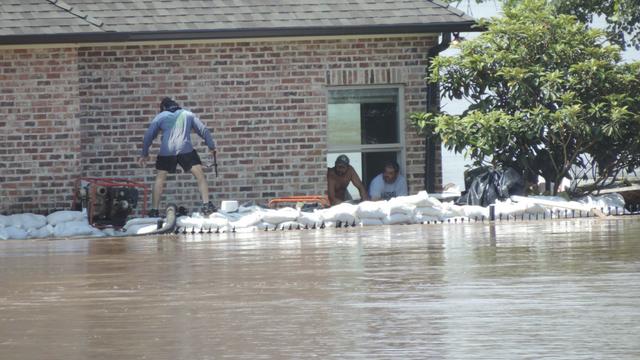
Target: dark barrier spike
{"points": [[266, 228], [475, 218], [500, 217], [462, 220], [233, 230], [580, 213], [573, 213], [193, 229], [298, 228], [177, 230], [218, 230], [346, 224], [544, 215], [353, 224], [282, 227], [616, 211], [184, 230], [306, 226], [322, 225], [455, 220], [314, 226], [201, 231], [448, 221], [338, 224], [290, 226]]}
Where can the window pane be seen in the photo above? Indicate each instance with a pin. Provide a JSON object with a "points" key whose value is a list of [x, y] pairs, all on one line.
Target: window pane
{"points": [[373, 164], [363, 116]]}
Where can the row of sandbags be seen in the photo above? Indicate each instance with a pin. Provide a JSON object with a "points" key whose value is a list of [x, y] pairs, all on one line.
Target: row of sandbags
{"points": [[57, 224], [413, 209]]}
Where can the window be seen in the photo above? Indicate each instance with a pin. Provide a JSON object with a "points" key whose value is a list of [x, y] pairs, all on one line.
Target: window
{"points": [[363, 123]]}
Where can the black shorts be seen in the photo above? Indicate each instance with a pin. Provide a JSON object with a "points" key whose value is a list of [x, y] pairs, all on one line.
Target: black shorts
{"points": [[170, 163]]}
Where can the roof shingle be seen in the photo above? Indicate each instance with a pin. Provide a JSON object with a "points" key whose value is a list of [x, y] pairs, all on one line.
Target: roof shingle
{"points": [[292, 17]]}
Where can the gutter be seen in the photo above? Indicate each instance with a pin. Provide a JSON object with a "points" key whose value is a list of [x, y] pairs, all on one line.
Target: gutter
{"points": [[433, 106], [212, 34]]}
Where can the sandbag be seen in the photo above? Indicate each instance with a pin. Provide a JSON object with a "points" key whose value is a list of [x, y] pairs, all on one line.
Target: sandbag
{"points": [[475, 211], [27, 221], [75, 228], [280, 215], [421, 199], [247, 220], [344, 212], [397, 218], [13, 233], [4, 221], [398, 205], [370, 222], [371, 210], [41, 233], [310, 219], [58, 217]]}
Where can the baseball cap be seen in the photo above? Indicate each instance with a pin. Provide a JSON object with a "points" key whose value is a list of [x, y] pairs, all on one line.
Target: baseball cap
{"points": [[342, 160]]}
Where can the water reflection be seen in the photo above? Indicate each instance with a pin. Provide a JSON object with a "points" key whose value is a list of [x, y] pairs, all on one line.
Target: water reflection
{"points": [[556, 289]]}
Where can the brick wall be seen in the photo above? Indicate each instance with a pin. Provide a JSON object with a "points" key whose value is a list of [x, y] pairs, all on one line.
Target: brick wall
{"points": [[39, 129], [265, 102]]}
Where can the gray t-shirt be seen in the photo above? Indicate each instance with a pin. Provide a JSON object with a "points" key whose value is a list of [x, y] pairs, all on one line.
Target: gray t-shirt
{"points": [[379, 189], [176, 133]]}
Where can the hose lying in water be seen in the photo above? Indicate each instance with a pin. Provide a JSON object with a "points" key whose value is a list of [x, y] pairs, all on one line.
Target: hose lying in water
{"points": [[167, 225]]}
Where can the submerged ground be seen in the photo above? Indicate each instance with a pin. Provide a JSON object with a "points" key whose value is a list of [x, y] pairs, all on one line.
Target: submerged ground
{"points": [[535, 289]]}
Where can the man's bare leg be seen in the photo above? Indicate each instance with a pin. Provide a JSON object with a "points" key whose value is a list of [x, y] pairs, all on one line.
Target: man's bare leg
{"points": [[197, 171], [158, 188]]}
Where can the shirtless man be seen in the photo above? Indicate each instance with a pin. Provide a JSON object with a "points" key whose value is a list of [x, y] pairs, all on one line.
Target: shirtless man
{"points": [[339, 177]]}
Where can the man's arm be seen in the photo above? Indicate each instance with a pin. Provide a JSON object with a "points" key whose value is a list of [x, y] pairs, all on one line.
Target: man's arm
{"points": [[203, 132], [149, 136], [375, 188], [355, 179], [331, 189]]}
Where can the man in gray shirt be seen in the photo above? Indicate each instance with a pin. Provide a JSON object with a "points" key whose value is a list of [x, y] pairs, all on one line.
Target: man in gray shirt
{"points": [[176, 124], [389, 184]]}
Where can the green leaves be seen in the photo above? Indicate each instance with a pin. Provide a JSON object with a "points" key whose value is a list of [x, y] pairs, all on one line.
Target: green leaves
{"points": [[544, 91]]}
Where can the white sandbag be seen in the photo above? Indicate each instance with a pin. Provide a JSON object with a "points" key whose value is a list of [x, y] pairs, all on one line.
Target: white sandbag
{"points": [[201, 223], [398, 205], [4, 221], [421, 199], [430, 211], [73, 228], [371, 210], [344, 212], [280, 215], [27, 221], [290, 225], [423, 219], [43, 232], [370, 222], [13, 233], [475, 211], [266, 226], [508, 209], [398, 218], [309, 219], [604, 202], [247, 220], [142, 221], [58, 217]]}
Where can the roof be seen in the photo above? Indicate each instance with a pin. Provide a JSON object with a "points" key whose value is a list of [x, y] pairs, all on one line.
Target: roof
{"points": [[50, 21]]}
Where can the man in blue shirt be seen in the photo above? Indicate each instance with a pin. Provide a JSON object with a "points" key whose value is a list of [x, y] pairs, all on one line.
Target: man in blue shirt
{"points": [[176, 148], [389, 183]]}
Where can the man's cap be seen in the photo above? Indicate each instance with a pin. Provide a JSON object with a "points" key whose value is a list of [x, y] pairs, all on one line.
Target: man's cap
{"points": [[342, 160]]}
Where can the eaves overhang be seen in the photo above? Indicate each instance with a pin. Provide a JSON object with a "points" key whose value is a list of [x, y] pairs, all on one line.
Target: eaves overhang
{"points": [[124, 37]]}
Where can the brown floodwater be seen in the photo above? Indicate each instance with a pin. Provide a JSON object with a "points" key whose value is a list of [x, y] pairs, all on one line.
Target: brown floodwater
{"points": [[566, 289]]}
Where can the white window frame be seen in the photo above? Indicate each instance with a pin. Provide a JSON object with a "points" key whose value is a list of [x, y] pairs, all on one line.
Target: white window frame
{"points": [[367, 148]]}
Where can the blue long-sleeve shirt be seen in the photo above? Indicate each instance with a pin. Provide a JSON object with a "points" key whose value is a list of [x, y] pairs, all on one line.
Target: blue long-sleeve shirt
{"points": [[176, 133]]}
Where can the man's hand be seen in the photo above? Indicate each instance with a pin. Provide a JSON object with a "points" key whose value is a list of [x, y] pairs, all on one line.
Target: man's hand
{"points": [[142, 160]]}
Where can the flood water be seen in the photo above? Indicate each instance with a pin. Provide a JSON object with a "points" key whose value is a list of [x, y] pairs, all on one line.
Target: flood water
{"points": [[565, 289]]}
